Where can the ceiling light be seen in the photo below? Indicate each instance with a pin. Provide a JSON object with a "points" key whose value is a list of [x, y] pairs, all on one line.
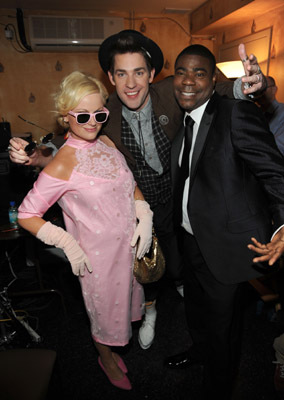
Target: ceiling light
{"points": [[231, 69]]}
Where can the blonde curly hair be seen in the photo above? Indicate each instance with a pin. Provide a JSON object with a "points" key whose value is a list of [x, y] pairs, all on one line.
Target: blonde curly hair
{"points": [[72, 89]]}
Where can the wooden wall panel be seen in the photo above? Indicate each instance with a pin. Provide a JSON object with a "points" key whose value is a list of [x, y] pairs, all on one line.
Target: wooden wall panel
{"points": [[257, 43], [273, 19], [214, 10], [34, 75]]}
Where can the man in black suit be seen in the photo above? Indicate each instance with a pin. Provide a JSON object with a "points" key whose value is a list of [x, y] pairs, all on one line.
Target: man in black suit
{"points": [[228, 185]]}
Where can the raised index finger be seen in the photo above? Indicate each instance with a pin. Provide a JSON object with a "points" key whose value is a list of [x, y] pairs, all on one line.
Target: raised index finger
{"points": [[242, 51]]}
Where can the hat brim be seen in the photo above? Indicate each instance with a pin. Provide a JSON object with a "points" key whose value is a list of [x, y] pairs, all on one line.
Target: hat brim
{"points": [[157, 58]]}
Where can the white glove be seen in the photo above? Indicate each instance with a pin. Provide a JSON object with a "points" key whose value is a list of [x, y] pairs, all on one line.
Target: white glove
{"points": [[143, 231], [58, 237]]}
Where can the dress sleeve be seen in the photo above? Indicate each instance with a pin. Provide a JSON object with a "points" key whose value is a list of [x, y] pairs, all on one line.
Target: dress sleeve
{"points": [[45, 192]]}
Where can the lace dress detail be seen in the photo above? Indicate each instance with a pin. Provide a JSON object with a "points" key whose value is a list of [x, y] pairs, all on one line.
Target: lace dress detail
{"points": [[99, 161], [99, 211]]}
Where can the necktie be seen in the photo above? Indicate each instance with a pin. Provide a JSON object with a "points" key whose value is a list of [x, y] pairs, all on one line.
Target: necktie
{"points": [[188, 132], [184, 168], [141, 139]]}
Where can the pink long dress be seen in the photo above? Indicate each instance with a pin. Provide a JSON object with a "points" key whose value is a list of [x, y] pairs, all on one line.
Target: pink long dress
{"points": [[99, 211]]}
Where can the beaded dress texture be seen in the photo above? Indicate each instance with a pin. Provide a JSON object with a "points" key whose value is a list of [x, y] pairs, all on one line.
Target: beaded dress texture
{"points": [[99, 212]]}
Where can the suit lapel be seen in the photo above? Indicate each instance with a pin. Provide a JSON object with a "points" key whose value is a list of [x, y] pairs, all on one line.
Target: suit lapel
{"points": [[202, 134]]}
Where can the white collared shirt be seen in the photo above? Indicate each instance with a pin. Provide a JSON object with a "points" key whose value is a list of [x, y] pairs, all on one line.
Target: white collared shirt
{"points": [[196, 115]]}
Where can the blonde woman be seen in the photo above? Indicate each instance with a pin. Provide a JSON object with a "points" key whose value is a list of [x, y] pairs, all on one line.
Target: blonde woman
{"points": [[92, 183]]}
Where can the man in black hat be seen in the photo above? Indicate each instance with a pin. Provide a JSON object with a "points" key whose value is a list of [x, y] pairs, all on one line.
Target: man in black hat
{"points": [[142, 125]]}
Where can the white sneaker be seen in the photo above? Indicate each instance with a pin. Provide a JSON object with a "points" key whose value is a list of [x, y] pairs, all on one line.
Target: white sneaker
{"points": [[147, 330]]}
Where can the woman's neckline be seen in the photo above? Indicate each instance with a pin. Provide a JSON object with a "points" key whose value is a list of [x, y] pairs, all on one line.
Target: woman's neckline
{"points": [[81, 144]]}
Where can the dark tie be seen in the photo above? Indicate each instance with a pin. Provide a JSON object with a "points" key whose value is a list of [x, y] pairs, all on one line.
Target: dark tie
{"points": [[184, 169], [188, 132]]}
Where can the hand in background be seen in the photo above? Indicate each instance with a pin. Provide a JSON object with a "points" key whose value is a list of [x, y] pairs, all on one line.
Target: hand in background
{"points": [[254, 80], [39, 158], [271, 251], [17, 153]]}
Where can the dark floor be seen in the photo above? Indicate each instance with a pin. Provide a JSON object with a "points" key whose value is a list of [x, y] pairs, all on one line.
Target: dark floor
{"points": [[77, 375]]}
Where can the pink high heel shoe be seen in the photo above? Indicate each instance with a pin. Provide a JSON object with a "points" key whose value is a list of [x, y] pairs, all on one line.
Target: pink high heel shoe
{"points": [[122, 366], [123, 383]]}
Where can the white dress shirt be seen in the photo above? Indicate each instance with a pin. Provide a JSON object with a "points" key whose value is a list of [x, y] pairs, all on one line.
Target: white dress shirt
{"points": [[196, 115]]}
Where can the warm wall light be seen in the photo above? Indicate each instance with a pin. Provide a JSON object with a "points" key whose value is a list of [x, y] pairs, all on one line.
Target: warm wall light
{"points": [[231, 69]]}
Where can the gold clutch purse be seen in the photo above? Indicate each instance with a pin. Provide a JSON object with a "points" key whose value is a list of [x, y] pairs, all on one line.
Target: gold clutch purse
{"points": [[151, 267]]}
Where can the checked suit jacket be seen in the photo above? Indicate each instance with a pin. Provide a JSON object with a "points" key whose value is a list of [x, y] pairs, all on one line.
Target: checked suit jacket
{"points": [[236, 186]]}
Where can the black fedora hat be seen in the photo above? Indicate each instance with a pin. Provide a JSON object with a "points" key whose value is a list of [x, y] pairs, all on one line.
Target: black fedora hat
{"points": [[152, 49]]}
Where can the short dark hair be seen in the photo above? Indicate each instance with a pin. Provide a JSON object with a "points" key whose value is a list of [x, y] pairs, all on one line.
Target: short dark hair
{"points": [[198, 50], [127, 44]]}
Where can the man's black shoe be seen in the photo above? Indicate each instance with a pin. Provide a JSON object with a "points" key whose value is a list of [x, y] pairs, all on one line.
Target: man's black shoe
{"points": [[181, 360]]}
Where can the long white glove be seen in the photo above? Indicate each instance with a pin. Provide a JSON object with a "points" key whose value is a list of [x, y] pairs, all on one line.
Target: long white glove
{"points": [[143, 231], [58, 237]]}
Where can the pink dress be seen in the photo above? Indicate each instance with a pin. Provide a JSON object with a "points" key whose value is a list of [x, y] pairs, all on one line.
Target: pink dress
{"points": [[99, 211]]}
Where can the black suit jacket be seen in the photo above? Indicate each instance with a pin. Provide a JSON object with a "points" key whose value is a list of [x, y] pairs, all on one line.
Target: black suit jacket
{"points": [[236, 186]]}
